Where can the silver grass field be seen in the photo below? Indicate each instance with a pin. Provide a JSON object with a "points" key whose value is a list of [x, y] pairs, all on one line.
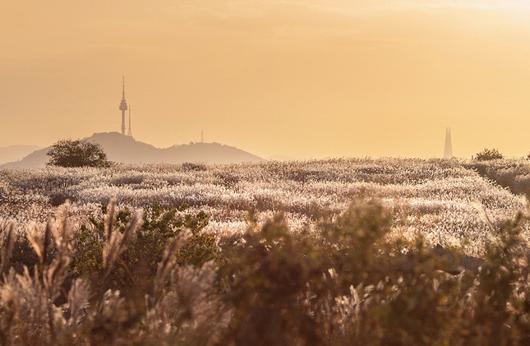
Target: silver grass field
{"points": [[330, 252]]}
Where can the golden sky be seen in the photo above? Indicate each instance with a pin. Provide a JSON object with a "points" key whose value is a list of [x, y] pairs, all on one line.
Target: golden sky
{"points": [[294, 78]]}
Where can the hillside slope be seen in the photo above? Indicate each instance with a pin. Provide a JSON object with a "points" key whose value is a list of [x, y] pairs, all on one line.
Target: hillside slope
{"points": [[15, 152], [125, 149]]}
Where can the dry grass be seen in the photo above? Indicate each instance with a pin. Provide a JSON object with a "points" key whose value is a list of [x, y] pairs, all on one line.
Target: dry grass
{"points": [[343, 283]]}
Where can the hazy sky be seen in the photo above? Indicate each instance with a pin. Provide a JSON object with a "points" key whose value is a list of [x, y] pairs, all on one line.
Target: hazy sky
{"points": [[294, 78]]}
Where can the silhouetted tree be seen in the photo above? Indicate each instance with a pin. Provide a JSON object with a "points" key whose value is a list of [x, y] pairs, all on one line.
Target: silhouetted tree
{"points": [[488, 155], [77, 153]]}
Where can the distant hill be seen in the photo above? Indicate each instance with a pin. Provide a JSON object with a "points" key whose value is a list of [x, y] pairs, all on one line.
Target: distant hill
{"points": [[15, 152], [125, 149]]}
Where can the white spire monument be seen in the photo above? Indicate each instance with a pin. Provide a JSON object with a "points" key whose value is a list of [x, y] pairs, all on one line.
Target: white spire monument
{"points": [[448, 151]]}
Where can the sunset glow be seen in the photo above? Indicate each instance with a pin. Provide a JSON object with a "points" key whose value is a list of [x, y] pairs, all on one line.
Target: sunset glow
{"points": [[320, 78]]}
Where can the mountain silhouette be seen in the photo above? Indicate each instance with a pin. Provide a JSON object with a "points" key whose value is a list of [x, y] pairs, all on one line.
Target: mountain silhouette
{"points": [[15, 152], [125, 149]]}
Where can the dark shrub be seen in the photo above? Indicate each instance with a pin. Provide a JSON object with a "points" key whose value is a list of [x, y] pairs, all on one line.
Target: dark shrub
{"points": [[347, 285], [77, 153], [59, 197], [488, 155], [193, 167], [227, 179], [128, 180], [160, 226]]}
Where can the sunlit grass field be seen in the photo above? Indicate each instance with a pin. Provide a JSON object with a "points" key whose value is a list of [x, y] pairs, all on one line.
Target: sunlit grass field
{"points": [[330, 252]]}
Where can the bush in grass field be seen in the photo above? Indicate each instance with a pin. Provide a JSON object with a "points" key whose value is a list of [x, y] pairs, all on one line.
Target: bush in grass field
{"points": [[77, 153], [488, 155], [145, 250]]}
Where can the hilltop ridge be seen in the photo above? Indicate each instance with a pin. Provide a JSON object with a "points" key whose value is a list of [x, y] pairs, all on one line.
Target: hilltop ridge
{"points": [[125, 149]]}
